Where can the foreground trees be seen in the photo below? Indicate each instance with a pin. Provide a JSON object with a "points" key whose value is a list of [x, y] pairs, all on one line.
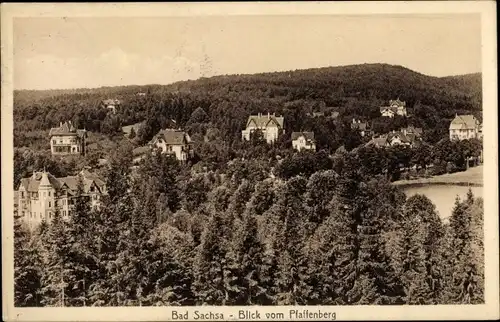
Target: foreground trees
{"points": [[166, 237]]}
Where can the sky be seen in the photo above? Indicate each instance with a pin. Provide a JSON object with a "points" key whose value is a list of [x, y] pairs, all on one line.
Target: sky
{"points": [[57, 53]]}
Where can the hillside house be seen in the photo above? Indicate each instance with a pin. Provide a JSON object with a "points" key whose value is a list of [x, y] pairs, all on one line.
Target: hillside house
{"points": [[396, 107], [270, 125], [362, 127], [39, 195], [111, 105], [410, 130], [65, 139], [175, 142], [395, 138], [303, 140], [464, 127]]}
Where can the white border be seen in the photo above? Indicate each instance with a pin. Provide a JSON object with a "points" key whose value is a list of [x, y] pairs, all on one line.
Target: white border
{"points": [[486, 9]]}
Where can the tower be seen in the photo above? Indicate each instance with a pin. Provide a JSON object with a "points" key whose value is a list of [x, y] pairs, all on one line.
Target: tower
{"points": [[46, 197]]}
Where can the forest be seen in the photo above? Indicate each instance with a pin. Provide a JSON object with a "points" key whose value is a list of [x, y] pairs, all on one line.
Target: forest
{"points": [[250, 223], [174, 236]]}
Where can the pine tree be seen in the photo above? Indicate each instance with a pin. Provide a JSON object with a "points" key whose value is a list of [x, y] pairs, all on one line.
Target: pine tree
{"points": [[292, 285], [27, 283], [210, 265], [465, 275], [245, 260], [56, 270]]}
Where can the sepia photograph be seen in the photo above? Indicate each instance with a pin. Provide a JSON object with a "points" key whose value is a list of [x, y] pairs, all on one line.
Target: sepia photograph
{"points": [[181, 159]]}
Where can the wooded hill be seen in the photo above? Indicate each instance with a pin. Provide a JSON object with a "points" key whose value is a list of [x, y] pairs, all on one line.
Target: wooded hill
{"points": [[353, 91]]}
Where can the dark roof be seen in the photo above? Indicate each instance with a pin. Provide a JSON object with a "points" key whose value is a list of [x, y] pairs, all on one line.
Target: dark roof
{"points": [[32, 183], [362, 126], [66, 128], [262, 121], [173, 137], [307, 135]]}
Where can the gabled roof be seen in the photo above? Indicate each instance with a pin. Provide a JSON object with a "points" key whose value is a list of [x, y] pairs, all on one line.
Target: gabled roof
{"points": [[380, 141], [362, 126], [464, 122], [173, 137], [32, 183], [397, 102], [307, 135], [394, 109], [66, 128], [413, 130], [111, 102], [401, 136], [263, 121]]}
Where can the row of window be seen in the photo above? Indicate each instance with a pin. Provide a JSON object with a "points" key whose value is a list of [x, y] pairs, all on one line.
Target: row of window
{"points": [[34, 214]]}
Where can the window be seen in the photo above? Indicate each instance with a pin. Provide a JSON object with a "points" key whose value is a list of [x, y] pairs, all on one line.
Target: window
{"points": [[92, 189], [64, 202], [61, 141], [50, 214], [54, 142], [64, 213], [49, 193], [22, 194], [23, 213], [50, 204]]}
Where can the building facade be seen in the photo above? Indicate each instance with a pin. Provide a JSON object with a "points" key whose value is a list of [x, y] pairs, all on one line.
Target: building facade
{"points": [[303, 141], [174, 142], [270, 125], [464, 127], [111, 105], [362, 127], [41, 194], [65, 139], [396, 107]]}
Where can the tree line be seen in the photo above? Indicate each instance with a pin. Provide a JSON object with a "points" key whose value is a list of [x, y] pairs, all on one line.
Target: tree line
{"points": [[166, 234]]}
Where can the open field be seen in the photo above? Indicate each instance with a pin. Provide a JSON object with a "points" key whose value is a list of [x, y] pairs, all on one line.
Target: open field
{"points": [[471, 177]]}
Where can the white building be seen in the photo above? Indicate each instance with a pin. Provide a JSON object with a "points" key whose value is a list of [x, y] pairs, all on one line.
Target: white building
{"points": [[396, 107], [303, 140], [270, 125], [464, 127], [111, 104], [175, 142], [40, 195], [65, 139]]}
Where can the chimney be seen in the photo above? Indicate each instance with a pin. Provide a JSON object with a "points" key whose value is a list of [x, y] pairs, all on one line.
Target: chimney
{"points": [[60, 124], [268, 115], [260, 114], [353, 120]]}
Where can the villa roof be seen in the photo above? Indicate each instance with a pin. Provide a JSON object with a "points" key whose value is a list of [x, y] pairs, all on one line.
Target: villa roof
{"points": [[68, 129], [173, 137], [263, 121], [464, 122], [33, 183], [307, 135]]}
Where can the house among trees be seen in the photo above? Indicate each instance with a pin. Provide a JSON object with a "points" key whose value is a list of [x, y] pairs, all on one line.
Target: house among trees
{"points": [[396, 138], [410, 130], [396, 107], [65, 139], [362, 127], [464, 127], [175, 142], [303, 140], [270, 125], [40, 194], [111, 104]]}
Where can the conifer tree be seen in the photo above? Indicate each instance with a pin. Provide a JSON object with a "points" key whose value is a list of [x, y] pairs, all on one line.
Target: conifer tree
{"points": [[27, 262], [245, 260], [465, 275], [210, 265], [57, 270]]}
